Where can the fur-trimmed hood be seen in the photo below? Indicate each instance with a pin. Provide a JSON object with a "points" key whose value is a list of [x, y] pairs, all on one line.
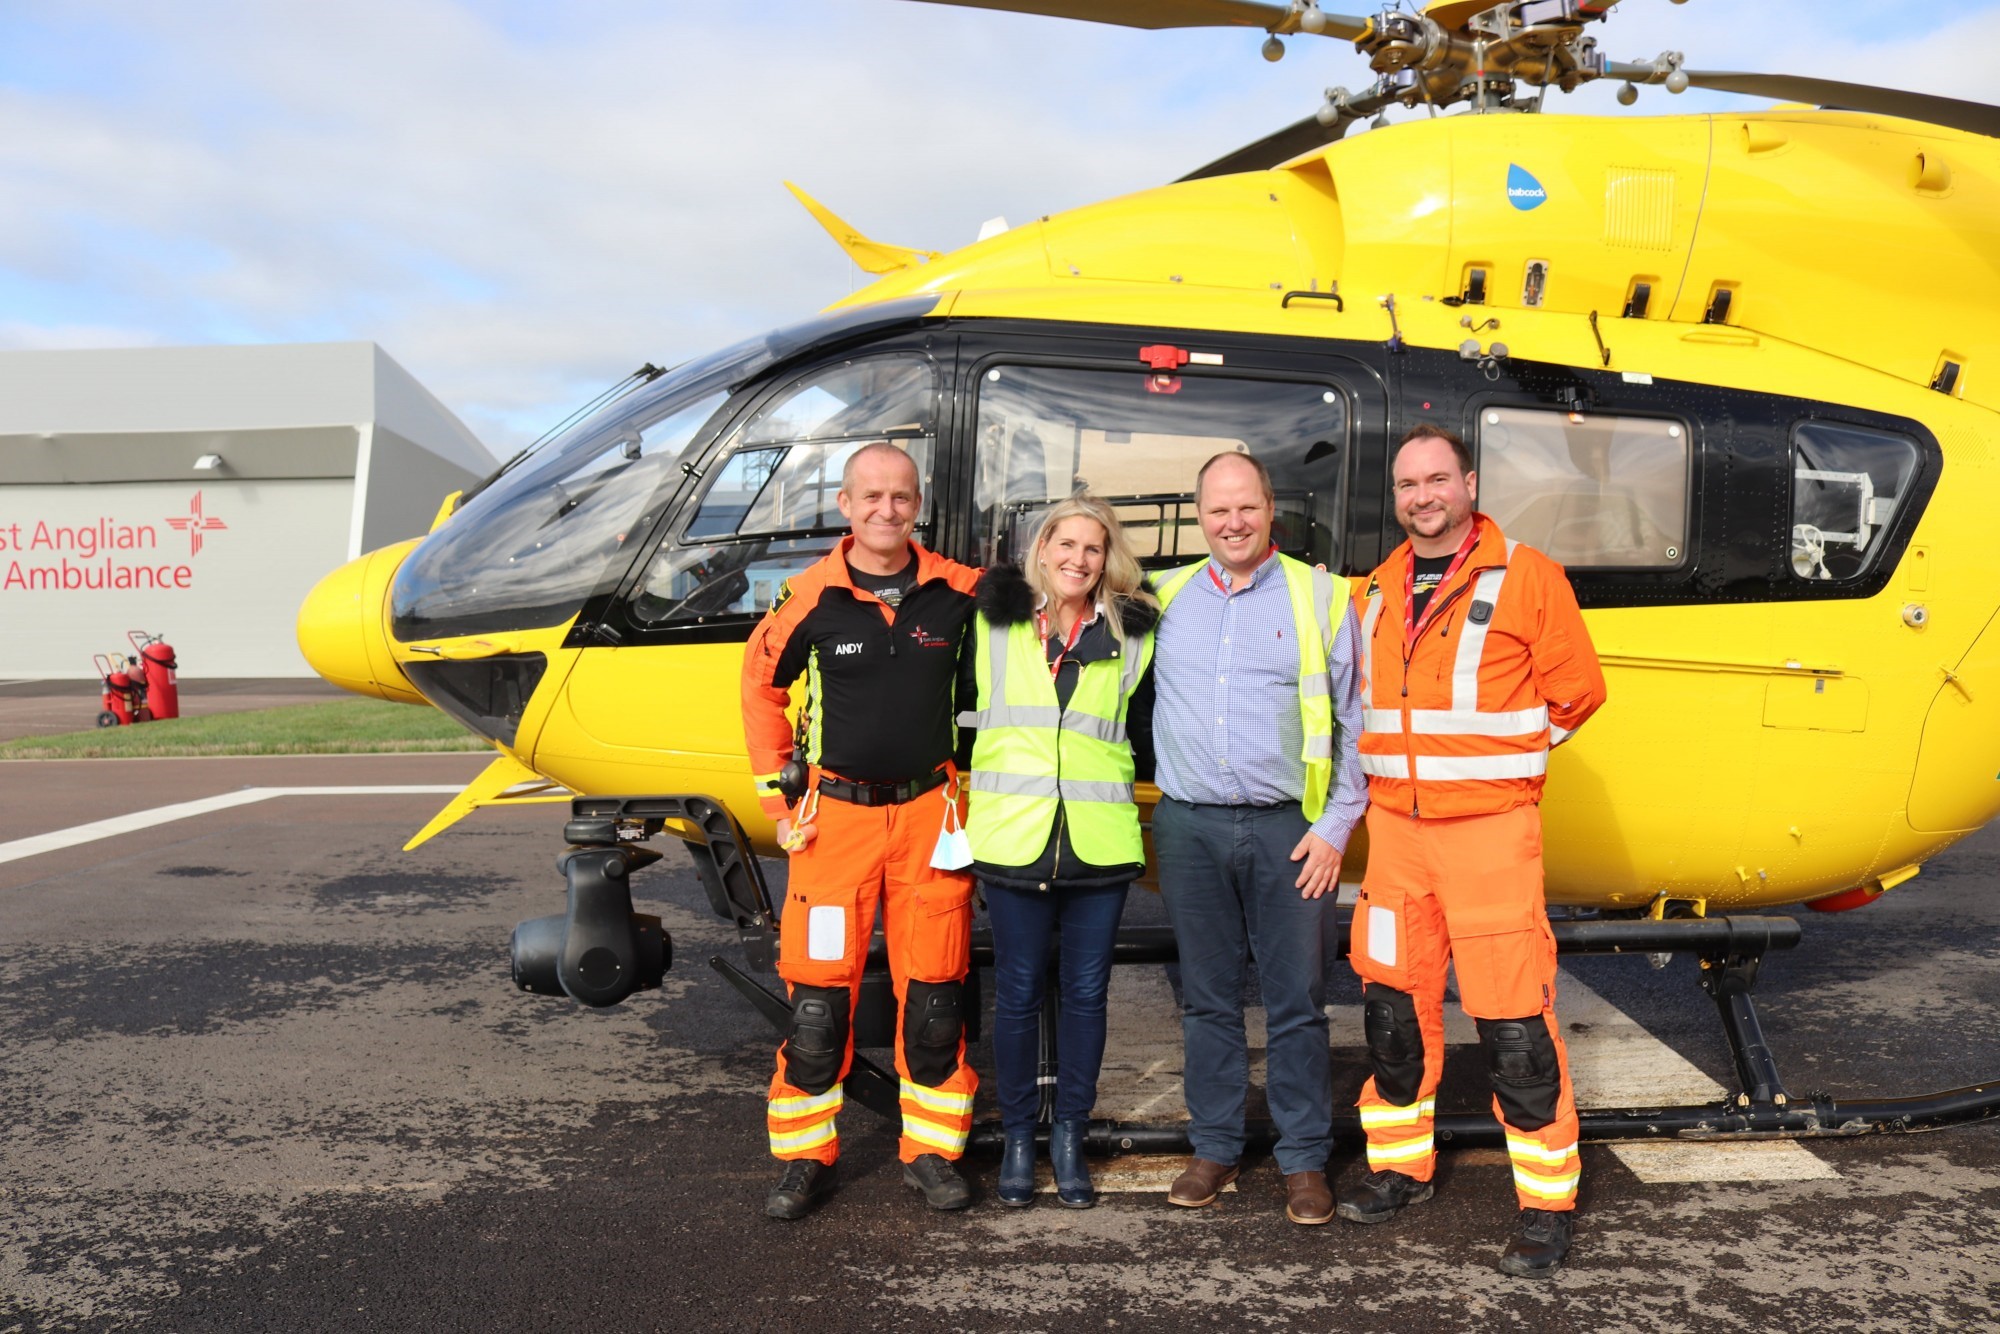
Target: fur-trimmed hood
{"points": [[1006, 598]]}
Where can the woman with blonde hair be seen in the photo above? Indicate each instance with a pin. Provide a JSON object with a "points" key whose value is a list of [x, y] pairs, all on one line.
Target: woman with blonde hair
{"points": [[1059, 648]]}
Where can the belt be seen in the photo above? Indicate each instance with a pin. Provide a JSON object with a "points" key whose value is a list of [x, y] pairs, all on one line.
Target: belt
{"points": [[881, 794]]}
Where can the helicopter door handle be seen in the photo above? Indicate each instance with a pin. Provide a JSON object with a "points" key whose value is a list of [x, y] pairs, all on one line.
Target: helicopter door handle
{"points": [[470, 649], [1951, 678]]}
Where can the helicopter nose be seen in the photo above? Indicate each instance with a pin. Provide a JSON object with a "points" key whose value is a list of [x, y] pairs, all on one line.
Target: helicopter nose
{"points": [[342, 632]]}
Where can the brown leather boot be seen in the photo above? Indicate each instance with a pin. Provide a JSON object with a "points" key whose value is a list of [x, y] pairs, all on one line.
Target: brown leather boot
{"points": [[1198, 1185], [1308, 1199]]}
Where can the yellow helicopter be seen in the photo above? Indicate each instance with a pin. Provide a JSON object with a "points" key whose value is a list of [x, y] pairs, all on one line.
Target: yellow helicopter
{"points": [[1736, 371]]}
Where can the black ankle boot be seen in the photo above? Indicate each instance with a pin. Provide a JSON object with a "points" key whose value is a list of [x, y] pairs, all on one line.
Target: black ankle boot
{"points": [[1016, 1184], [1073, 1186]]}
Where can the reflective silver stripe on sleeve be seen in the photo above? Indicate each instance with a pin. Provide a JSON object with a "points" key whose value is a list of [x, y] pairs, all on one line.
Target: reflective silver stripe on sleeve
{"points": [[1558, 734], [1472, 641], [1074, 789], [1457, 768], [1012, 785]]}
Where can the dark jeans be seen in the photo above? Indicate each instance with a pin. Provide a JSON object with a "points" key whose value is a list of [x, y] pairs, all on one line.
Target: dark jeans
{"points": [[1227, 876], [1025, 922]]}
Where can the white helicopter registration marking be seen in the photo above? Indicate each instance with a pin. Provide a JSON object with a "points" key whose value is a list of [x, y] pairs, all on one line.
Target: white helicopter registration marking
{"points": [[127, 824], [1613, 1063]]}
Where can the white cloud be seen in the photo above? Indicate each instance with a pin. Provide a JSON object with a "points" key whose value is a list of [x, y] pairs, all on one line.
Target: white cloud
{"points": [[522, 208]]}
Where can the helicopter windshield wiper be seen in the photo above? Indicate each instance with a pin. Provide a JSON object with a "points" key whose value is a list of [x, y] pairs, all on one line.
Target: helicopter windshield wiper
{"points": [[645, 375]]}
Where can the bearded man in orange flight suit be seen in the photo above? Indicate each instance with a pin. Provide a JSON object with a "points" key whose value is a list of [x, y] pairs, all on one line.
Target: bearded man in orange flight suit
{"points": [[875, 628], [1475, 662]]}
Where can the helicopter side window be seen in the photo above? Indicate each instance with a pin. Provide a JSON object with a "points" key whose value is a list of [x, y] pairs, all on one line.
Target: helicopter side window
{"points": [[1587, 489], [1136, 439], [770, 506], [1847, 484]]}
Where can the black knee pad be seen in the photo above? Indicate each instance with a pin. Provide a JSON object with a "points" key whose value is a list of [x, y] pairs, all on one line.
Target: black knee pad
{"points": [[1527, 1080], [818, 1039], [932, 1022], [1395, 1041]]}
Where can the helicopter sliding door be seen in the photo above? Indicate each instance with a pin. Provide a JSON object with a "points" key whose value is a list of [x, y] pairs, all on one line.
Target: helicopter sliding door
{"points": [[1052, 414]]}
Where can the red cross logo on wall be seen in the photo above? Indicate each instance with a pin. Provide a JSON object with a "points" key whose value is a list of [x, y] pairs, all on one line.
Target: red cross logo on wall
{"points": [[194, 523]]}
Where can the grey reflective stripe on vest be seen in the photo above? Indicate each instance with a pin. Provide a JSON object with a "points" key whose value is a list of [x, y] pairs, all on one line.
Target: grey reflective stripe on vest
{"points": [[1314, 684], [1012, 715], [1035, 785], [1135, 663], [1041, 715], [1322, 596], [1472, 639], [1090, 725]]}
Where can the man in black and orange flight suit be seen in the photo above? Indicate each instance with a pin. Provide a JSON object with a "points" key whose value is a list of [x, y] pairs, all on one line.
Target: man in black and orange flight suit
{"points": [[875, 628]]}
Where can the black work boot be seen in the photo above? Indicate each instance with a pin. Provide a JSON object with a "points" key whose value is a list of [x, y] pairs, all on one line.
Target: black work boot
{"points": [[940, 1182], [1377, 1197], [1541, 1240], [799, 1189]]}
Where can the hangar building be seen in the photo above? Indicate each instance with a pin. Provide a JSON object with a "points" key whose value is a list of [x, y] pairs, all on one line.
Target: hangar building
{"points": [[199, 493]]}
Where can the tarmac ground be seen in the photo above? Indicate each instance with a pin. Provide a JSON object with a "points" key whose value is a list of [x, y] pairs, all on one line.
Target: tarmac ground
{"points": [[262, 1071]]}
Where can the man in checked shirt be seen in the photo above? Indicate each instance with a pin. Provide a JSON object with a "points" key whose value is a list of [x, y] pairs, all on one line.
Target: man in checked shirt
{"points": [[1257, 719]]}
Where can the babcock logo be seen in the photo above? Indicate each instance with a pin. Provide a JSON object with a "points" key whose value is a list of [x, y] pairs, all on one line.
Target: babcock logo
{"points": [[1524, 191]]}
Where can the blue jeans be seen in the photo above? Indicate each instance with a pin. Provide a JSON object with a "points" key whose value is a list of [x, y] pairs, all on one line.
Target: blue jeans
{"points": [[1025, 922], [1228, 879]]}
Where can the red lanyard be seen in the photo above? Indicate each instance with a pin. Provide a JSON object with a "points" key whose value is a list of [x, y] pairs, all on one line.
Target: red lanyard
{"points": [[1413, 628], [1216, 579], [1075, 633]]}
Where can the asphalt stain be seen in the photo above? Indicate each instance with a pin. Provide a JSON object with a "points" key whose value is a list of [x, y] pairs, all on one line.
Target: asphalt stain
{"points": [[67, 992], [401, 893], [199, 872]]}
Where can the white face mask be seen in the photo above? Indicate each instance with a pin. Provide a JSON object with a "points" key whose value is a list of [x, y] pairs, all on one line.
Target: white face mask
{"points": [[954, 850]]}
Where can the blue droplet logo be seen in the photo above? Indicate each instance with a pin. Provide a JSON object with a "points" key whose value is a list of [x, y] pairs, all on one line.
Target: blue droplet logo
{"points": [[1523, 190]]}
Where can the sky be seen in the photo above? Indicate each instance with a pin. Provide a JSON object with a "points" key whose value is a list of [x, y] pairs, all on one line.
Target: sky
{"points": [[522, 201]]}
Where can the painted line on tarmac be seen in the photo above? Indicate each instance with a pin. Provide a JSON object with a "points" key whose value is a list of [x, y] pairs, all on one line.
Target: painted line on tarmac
{"points": [[76, 835], [1614, 1062]]}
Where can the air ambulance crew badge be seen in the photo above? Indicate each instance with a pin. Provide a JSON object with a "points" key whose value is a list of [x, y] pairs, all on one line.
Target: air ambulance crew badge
{"points": [[784, 596]]}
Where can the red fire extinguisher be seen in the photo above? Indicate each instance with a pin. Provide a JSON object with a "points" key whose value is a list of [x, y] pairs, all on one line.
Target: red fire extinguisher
{"points": [[121, 698], [163, 691]]}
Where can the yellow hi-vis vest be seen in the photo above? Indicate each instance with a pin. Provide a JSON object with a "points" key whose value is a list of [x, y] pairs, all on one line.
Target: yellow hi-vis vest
{"points": [[1033, 754], [1318, 600]]}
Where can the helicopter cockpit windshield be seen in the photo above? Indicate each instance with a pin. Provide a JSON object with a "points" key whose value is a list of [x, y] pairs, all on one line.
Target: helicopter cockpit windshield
{"points": [[528, 549]]}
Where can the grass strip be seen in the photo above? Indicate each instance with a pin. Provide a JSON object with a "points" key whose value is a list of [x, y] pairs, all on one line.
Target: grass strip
{"points": [[331, 727]]}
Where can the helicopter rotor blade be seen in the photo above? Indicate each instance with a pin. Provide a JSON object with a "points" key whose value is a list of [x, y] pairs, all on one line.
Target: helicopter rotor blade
{"points": [[1299, 137], [1157, 14], [1951, 112]]}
